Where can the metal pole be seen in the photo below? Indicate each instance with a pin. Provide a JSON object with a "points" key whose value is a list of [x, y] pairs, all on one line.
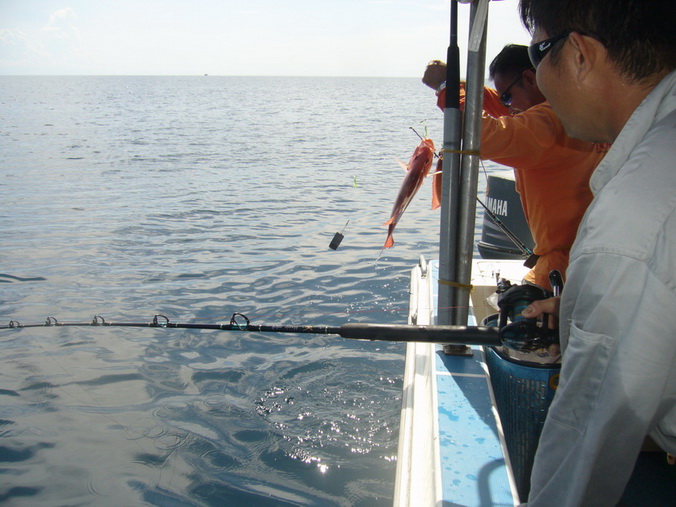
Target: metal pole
{"points": [[450, 176], [476, 57]]}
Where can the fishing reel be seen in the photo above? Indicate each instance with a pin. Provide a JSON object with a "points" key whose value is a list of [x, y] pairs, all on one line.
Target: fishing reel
{"points": [[516, 331]]}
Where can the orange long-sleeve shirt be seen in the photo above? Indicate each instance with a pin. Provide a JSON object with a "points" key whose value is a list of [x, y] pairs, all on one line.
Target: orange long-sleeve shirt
{"points": [[552, 174]]}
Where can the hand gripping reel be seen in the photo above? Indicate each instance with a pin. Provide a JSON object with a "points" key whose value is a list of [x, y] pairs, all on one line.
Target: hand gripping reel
{"points": [[518, 332]]}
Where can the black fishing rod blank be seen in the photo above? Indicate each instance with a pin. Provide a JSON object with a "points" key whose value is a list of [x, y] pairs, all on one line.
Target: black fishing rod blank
{"points": [[472, 335], [238, 322], [521, 334]]}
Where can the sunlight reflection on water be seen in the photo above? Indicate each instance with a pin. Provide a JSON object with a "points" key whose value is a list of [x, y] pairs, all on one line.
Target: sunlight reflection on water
{"points": [[197, 198]]}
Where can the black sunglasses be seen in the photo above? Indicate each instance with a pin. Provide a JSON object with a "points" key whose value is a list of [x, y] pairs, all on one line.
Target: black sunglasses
{"points": [[539, 50], [506, 96]]}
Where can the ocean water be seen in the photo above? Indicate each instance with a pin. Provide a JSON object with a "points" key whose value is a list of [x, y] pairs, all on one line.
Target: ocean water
{"points": [[195, 198]]}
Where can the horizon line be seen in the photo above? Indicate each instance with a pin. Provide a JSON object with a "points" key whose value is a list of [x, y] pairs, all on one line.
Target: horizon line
{"points": [[210, 75]]}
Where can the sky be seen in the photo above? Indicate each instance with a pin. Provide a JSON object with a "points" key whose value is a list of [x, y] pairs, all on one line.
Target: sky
{"points": [[388, 38]]}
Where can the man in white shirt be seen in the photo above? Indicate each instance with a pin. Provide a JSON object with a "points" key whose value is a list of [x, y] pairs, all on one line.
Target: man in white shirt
{"points": [[607, 68]]}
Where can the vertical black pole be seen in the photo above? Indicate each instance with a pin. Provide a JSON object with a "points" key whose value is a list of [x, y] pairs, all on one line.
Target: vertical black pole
{"points": [[450, 178], [453, 63]]}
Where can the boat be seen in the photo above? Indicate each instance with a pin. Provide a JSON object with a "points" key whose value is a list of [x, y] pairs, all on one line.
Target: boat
{"points": [[452, 447], [470, 423], [482, 449], [472, 415], [461, 440]]}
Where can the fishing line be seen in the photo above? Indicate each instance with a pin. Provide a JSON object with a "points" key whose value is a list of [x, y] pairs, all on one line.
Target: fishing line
{"points": [[422, 137], [485, 171]]}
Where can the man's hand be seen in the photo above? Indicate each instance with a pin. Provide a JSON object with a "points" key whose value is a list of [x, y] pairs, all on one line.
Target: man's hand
{"points": [[549, 306], [435, 74]]}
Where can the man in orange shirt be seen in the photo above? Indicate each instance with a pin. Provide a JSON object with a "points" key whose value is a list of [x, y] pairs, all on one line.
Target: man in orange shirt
{"points": [[552, 170]]}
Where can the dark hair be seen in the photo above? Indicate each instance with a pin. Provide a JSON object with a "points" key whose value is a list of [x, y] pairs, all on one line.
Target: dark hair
{"points": [[639, 35], [513, 59]]}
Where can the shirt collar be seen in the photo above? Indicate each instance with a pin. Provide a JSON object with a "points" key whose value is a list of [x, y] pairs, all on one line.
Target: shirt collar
{"points": [[658, 103]]}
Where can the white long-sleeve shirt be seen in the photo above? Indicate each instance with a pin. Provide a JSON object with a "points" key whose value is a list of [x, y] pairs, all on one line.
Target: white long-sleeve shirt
{"points": [[618, 320]]}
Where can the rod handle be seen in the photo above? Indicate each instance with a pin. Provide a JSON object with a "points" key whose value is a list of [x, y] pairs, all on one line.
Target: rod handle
{"points": [[461, 335]]}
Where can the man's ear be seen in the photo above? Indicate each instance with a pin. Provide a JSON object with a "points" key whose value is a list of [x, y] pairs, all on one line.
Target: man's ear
{"points": [[528, 76], [586, 53]]}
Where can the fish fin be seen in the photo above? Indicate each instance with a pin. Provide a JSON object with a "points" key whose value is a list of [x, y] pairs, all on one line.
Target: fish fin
{"points": [[436, 185], [390, 221], [406, 168], [436, 190]]}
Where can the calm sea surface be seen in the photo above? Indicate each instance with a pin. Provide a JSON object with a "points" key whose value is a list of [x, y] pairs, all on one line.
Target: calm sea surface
{"points": [[198, 197]]}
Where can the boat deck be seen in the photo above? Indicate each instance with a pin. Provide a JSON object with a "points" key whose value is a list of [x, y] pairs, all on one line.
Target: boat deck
{"points": [[452, 451]]}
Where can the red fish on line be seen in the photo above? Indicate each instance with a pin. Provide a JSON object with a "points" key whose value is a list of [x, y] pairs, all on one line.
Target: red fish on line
{"points": [[418, 168]]}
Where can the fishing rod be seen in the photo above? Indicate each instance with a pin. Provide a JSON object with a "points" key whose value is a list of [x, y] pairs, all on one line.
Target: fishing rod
{"points": [[527, 252], [473, 335], [522, 334]]}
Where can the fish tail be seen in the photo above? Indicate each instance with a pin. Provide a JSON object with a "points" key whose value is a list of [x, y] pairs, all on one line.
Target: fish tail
{"points": [[389, 243]]}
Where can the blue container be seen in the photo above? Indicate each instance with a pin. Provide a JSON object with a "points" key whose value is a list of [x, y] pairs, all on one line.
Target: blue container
{"points": [[523, 393]]}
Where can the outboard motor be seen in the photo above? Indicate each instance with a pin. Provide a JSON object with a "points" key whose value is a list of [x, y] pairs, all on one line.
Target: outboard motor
{"points": [[504, 202]]}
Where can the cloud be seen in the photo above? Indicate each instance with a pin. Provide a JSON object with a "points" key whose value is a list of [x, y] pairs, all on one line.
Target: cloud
{"points": [[62, 17], [17, 48], [371, 37], [13, 42], [55, 45], [61, 32]]}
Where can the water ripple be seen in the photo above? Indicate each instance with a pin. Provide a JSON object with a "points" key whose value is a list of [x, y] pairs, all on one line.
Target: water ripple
{"points": [[198, 198]]}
